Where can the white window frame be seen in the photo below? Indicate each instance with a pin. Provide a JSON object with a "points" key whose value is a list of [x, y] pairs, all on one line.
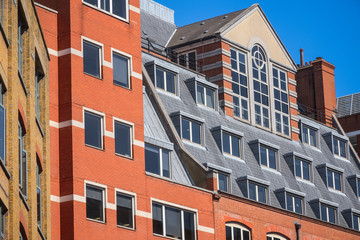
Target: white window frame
{"points": [[181, 209], [267, 157], [110, 12], [164, 70], [327, 213], [308, 128], [132, 135], [257, 191], [104, 195], [204, 92], [161, 161], [101, 54], [302, 169], [293, 196], [102, 125], [190, 128], [352, 220], [233, 225], [227, 181], [338, 145], [274, 235], [134, 201], [130, 66], [230, 143], [333, 179]]}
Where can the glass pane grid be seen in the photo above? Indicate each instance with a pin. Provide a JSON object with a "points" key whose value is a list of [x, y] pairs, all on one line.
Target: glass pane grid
{"points": [[281, 102]]}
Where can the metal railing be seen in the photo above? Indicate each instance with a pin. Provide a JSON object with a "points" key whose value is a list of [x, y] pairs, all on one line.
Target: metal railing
{"points": [[321, 116]]}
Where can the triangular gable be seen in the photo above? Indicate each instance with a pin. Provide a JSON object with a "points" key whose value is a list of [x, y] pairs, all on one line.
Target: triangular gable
{"points": [[253, 27]]}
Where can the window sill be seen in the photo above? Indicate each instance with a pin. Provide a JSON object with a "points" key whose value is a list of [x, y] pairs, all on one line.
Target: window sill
{"points": [[270, 170], [41, 233], [97, 77], [337, 192], [312, 147], [205, 107], [124, 156], [187, 142], [162, 236], [157, 176], [127, 228], [173, 95], [108, 13], [22, 83], [305, 181], [234, 158], [120, 86], [96, 221], [6, 171], [39, 127], [24, 200], [341, 158], [4, 35], [94, 147]]}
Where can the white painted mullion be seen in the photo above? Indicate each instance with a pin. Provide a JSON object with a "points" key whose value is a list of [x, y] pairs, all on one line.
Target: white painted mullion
{"points": [[190, 129], [161, 161], [182, 225], [163, 217], [111, 6], [165, 82], [257, 192]]}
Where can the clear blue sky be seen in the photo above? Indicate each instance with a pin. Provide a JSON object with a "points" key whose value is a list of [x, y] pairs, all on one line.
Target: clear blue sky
{"points": [[323, 28]]}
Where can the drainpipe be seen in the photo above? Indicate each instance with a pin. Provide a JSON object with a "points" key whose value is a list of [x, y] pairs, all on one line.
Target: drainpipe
{"points": [[297, 228]]}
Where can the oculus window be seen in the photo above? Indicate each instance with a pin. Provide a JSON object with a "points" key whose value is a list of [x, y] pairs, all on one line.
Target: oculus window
{"points": [[205, 96], [173, 222], [91, 59], [191, 130], [121, 70], [125, 210], [123, 137], [95, 203], [236, 232], [157, 160], [239, 84], [93, 130], [166, 80], [116, 7]]}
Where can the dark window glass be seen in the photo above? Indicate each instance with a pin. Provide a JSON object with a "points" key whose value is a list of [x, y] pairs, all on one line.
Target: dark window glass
{"points": [[246, 235], [323, 213], [186, 129], [262, 194], [165, 162], [38, 77], [235, 145], [152, 159], [330, 179], [182, 60], [298, 168], [170, 82], [91, 58], [121, 70], [22, 163], [119, 8], [196, 132], [200, 95], [263, 156], [210, 98], [173, 222], [331, 215], [252, 191], [2, 132], [157, 219], [192, 60], [228, 233], [342, 149], [223, 182], [105, 5], [289, 202], [356, 222], [306, 171], [93, 132], [189, 225], [21, 30], [160, 81], [358, 187], [122, 139], [2, 222], [92, 2], [226, 143], [124, 210], [312, 137], [38, 195], [337, 180], [272, 159], [298, 205], [237, 233], [94, 203]]}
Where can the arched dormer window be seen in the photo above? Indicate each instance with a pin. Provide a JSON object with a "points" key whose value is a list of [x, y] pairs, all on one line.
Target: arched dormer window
{"points": [[236, 231], [260, 85], [275, 236]]}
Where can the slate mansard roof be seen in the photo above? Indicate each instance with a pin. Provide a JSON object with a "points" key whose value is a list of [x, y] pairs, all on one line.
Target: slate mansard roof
{"points": [[348, 105], [210, 153]]}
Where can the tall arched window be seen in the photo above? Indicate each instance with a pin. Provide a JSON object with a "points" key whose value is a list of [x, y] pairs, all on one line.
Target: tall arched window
{"points": [[260, 85], [275, 236], [235, 231]]}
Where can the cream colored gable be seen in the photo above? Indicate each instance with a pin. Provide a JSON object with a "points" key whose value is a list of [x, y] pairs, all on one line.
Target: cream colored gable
{"points": [[252, 29]]}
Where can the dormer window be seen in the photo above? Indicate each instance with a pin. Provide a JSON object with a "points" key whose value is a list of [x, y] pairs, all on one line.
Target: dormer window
{"points": [[266, 153], [189, 127], [166, 80], [260, 82], [309, 135], [338, 144], [231, 144], [332, 176], [291, 200], [254, 188], [228, 140], [339, 147], [205, 96], [325, 210]]}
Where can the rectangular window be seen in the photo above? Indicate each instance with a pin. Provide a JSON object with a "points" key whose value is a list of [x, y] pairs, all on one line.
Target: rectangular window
{"points": [[302, 169], [173, 222], [293, 203], [157, 160], [281, 102], [92, 59], [339, 147], [125, 210], [38, 194], [166, 80], [123, 143], [121, 70], [21, 30], [239, 84], [22, 163], [2, 221], [2, 125], [205, 96], [95, 201], [309, 136], [223, 182], [334, 180], [268, 157], [356, 222], [231, 144], [38, 77], [328, 214], [257, 192], [116, 7], [188, 60], [93, 130], [191, 131]]}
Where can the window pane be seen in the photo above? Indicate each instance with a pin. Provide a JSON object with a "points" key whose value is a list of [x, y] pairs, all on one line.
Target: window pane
{"points": [[298, 206], [289, 202], [189, 226], [2, 133], [330, 179], [196, 133], [185, 129], [331, 215], [24, 173], [94, 203], [305, 135], [160, 79], [336, 146], [235, 143], [223, 182], [228, 233], [173, 222], [121, 70], [38, 204], [262, 194], [337, 178], [342, 149], [237, 233], [306, 171], [272, 159], [157, 219], [356, 222], [122, 139], [246, 235], [92, 2], [124, 210], [105, 5], [91, 59], [152, 159], [298, 167], [209, 98], [119, 8], [226, 143], [200, 95], [93, 135], [312, 137], [323, 213], [166, 163], [170, 82], [252, 191], [263, 156]]}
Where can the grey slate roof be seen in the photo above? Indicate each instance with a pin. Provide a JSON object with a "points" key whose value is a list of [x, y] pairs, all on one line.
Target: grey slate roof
{"points": [[203, 29], [284, 178], [348, 105]]}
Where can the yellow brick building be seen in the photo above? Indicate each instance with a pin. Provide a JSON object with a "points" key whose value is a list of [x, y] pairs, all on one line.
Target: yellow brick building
{"points": [[24, 118]]}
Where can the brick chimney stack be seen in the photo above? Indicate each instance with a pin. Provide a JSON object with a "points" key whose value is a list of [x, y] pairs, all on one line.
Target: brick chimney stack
{"points": [[316, 89]]}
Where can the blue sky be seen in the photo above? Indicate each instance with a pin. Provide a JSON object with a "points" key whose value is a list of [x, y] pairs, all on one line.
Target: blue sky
{"points": [[323, 28]]}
